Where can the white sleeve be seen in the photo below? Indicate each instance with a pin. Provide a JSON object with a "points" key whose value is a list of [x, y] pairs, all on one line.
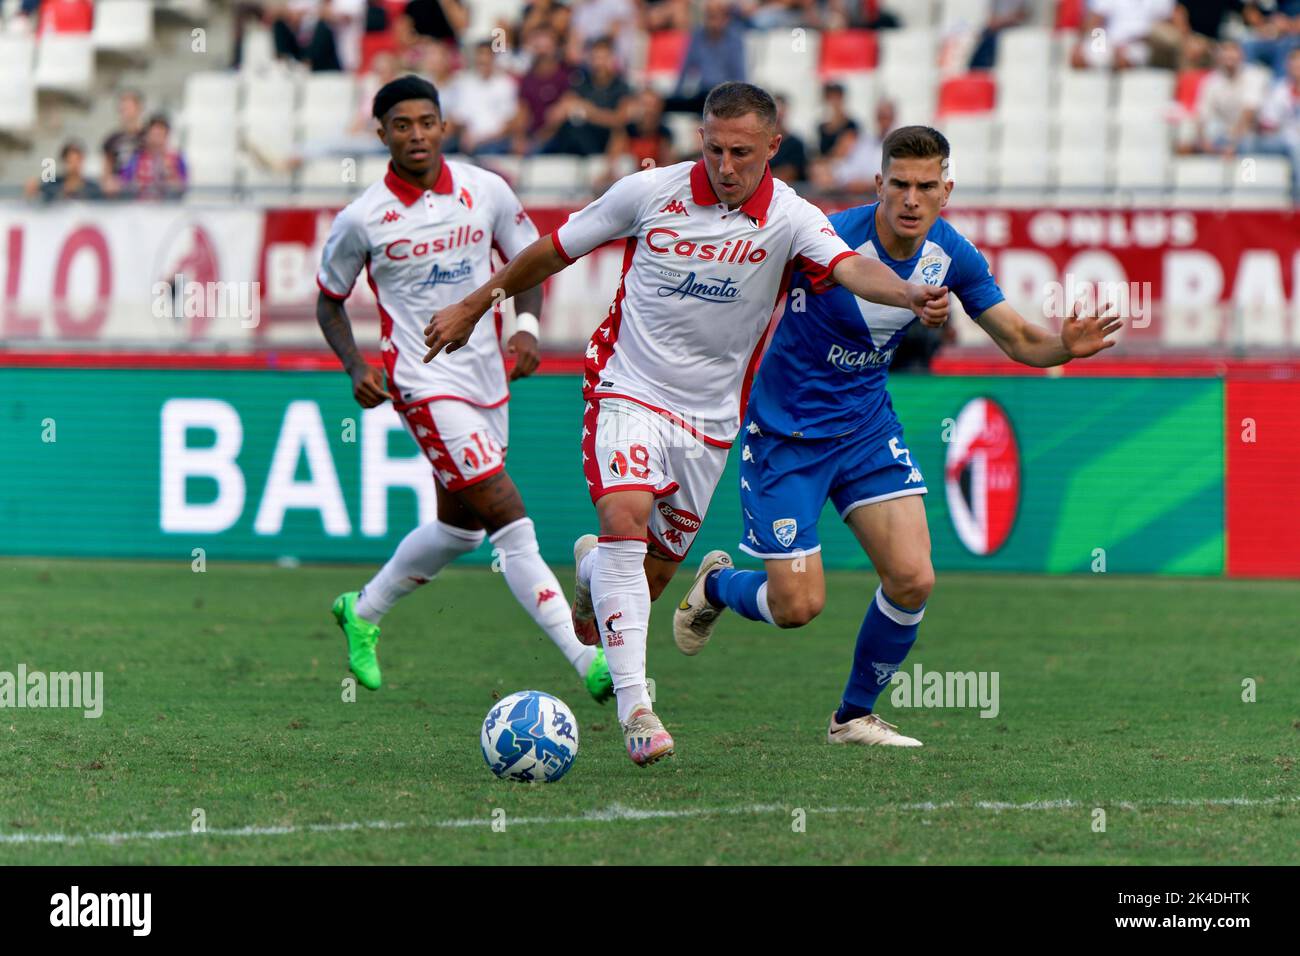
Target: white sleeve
{"points": [[817, 248], [512, 230], [344, 255], [614, 215]]}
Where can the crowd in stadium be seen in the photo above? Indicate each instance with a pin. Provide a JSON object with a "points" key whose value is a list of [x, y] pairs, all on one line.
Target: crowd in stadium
{"points": [[555, 80]]}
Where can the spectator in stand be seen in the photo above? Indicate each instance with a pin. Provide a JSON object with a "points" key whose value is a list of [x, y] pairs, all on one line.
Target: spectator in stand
{"points": [[302, 33], [1200, 24], [665, 15], [437, 64], [1275, 32], [1279, 121], [791, 160], [614, 20], [1133, 33], [124, 142], [854, 167], [485, 102], [837, 122], [157, 171], [71, 182], [551, 14], [441, 20], [1002, 14], [646, 138], [859, 15], [1229, 101], [547, 79], [716, 54], [594, 107]]}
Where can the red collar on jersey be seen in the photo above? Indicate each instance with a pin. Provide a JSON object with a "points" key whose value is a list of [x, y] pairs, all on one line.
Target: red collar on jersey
{"points": [[408, 193], [756, 205]]}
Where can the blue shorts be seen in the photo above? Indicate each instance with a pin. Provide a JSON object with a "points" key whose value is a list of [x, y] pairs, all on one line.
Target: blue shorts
{"points": [[785, 482]]}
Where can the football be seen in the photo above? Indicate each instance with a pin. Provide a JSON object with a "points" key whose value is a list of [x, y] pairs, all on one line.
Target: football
{"points": [[530, 735]]}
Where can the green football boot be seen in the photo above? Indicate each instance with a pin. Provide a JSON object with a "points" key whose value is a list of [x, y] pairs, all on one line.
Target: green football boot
{"points": [[599, 684], [363, 636]]}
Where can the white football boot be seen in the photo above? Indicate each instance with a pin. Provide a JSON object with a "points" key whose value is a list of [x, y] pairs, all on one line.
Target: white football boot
{"points": [[645, 737], [869, 731], [694, 618], [584, 614]]}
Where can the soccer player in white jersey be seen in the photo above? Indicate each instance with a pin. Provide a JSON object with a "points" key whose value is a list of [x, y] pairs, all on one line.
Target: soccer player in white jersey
{"points": [[424, 234], [709, 248]]}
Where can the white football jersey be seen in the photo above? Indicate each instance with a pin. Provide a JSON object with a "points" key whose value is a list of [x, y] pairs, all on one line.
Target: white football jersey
{"points": [[699, 286], [424, 249]]}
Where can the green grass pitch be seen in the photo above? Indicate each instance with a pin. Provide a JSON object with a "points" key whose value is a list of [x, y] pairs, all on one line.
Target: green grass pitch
{"points": [[223, 694]]}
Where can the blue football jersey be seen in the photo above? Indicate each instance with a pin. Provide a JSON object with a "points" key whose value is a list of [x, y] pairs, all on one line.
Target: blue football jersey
{"points": [[824, 373]]}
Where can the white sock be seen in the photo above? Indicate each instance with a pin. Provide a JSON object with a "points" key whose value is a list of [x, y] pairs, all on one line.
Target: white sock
{"points": [[621, 596], [421, 555], [763, 608], [586, 566], [534, 586]]}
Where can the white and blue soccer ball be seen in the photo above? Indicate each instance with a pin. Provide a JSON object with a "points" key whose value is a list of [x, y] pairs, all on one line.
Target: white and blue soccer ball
{"points": [[530, 736]]}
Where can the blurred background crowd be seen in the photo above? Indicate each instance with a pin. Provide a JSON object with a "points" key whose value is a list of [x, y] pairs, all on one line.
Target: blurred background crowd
{"points": [[619, 83]]}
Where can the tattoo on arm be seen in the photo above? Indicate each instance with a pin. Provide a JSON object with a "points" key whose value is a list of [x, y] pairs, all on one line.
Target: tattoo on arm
{"points": [[336, 326]]}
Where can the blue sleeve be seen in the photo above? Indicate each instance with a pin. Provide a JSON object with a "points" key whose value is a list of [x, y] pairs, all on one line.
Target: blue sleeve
{"points": [[971, 280]]}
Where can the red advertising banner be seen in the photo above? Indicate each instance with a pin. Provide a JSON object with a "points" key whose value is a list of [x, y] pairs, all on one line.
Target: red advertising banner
{"points": [[1263, 479]]}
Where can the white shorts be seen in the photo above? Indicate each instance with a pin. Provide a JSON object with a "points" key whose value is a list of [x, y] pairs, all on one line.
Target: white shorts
{"points": [[465, 443], [627, 446]]}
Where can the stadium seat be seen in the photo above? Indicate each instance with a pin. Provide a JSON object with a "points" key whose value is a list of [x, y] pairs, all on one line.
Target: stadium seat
{"points": [[912, 14], [66, 16], [1261, 181], [971, 93], [123, 26], [1069, 14], [1082, 132], [65, 63], [328, 105], [665, 54], [551, 174], [1200, 180], [913, 94], [1081, 175], [907, 50], [775, 65], [1024, 51], [1144, 175], [1136, 133], [847, 51], [506, 166], [212, 167], [971, 139], [18, 105], [1023, 168], [964, 14], [860, 93], [1085, 92], [1145, 93], [685, 129]]}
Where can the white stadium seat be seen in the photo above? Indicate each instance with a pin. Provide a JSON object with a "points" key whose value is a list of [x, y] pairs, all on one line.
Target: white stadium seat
{"points": [[1137, 133], [964, 14], [1024, 52], [1081, 175], [910, 50], [551, 174], [913, 13], [18, 104], [1145, 93], [328, 105], [776, 66], [1261, 181], [65, 63], [1142, 174], [123, 26], [1084, 92], [1199, 180]]}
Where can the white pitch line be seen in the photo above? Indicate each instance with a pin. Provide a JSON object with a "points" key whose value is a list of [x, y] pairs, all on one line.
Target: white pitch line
{"points": [[617, 813]]}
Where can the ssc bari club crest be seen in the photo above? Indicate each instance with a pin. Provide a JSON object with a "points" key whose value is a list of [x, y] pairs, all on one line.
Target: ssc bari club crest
{"points": [[617, 464], [982, 476]]}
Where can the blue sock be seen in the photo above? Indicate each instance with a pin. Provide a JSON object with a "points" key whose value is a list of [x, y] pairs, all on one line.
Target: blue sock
{"points": [[888, 633], [745, 592]]}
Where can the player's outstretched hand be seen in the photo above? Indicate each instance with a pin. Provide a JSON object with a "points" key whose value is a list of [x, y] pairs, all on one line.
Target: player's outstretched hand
{"points": [[1084, 335], [930, 303], [449, 329], [523, 346], [368, 386]]}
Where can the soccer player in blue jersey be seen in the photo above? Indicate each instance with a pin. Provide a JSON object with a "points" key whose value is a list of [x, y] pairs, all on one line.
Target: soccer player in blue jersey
{"points": [[820, 425]]}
